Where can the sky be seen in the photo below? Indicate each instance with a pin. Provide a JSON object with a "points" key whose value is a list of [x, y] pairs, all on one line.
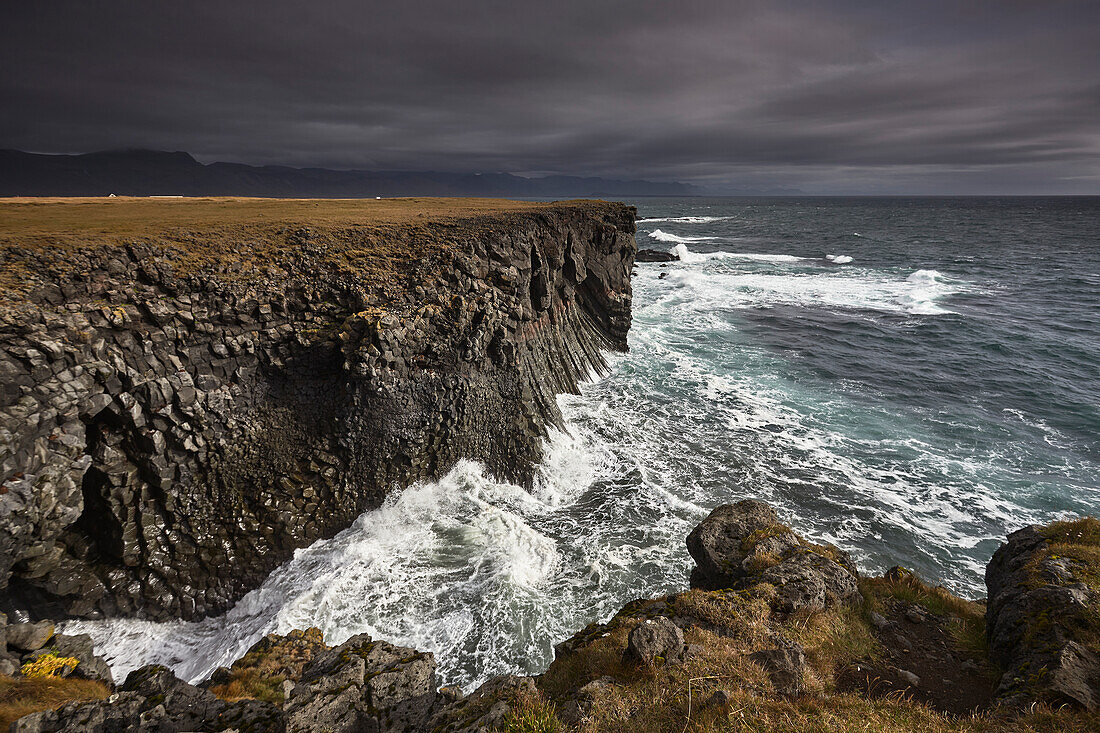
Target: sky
{"points": [[874, 96]]}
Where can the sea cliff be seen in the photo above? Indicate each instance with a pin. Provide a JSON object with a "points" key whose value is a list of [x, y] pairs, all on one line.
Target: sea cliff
{"points": [[192, 389]]}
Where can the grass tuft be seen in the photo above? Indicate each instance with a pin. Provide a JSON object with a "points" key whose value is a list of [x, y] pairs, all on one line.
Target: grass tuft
{"points": [[21, 696]]}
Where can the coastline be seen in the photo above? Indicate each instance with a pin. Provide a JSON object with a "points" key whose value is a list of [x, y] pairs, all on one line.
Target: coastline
{"points": [[569, 264]]}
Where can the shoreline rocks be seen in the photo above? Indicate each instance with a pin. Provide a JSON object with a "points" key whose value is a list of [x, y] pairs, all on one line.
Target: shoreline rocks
{"points": [[744, 544], [749, 640], [655, 255], [28, 643], [1044, 614]]}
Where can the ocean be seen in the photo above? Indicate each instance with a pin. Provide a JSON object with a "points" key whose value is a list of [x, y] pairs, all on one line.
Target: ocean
{"points": [[909, 378]]}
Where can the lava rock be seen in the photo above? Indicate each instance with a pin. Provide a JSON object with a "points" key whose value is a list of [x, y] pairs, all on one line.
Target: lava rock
{"points": [[363, 685], [785, 664], [1040, 613], [655, 255], [29, 637], [482, 710], [717, 544], [654, 640], [810, 580], [81, 648]]}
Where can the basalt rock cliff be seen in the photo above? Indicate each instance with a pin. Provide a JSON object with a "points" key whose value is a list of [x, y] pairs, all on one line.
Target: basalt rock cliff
{"points": [[190, 390]]}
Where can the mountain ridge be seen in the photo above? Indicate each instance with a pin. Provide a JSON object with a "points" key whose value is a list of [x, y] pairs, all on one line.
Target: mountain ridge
{"points": [[140, 172]]}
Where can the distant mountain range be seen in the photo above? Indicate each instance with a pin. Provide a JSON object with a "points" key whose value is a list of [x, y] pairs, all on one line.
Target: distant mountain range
{"points": [[152, 173]]}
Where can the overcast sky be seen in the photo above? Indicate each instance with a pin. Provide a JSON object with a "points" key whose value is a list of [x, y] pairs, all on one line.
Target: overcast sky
{"points": [[830, 97]]}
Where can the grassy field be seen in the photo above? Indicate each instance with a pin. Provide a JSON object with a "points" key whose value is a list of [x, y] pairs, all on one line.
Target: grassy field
{"points": [[126, 216], [246, 239]]}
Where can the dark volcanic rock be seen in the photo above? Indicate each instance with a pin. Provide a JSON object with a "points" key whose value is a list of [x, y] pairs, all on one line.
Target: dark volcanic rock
{"points": [[717, 544], [810, 580], [655, 255], [482, 710], [785, 664], [81, 648], [1043, 611], [175, 419], [364, 685], [154, 699], [743, 544], [29, 637], [653, 640]]}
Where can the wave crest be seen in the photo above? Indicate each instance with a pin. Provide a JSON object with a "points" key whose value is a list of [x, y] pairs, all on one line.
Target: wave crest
{"points": [[662, 236], [685, 219]]}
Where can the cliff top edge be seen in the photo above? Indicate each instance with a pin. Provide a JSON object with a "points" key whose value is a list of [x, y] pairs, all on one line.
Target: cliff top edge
{"points": [[136, 216], [227, 239]]}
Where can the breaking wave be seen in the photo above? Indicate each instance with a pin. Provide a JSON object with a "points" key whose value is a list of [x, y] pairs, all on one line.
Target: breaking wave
{"points": [[685, 219], [661, 236]]}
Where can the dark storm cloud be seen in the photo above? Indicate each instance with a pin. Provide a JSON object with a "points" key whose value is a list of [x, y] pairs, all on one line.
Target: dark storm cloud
{"points": [[828, 96]]}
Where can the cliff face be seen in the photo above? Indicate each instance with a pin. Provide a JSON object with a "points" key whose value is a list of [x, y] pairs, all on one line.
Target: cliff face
{"points": [[181, 407]]}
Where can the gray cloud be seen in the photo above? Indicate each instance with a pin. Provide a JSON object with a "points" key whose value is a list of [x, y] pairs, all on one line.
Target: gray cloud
{"points": [[828, 96]]}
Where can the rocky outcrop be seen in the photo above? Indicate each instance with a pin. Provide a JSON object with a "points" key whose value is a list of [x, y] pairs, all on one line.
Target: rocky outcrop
{"points": [[899, 660], [1043, 621], [180, 410], [36, 644], [654, 640], [364, 685], [154, 699], [656, 255], [360, 686], [744, 544]]}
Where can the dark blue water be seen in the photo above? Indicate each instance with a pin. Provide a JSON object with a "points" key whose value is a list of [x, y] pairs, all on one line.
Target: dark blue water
{"points": [[937, 390], [908, 378]]}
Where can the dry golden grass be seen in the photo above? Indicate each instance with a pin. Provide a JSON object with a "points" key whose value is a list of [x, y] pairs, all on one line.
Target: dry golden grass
{"points": [[23, 695], [966, 619], [132, 216], [673, 698], [239, 239]]}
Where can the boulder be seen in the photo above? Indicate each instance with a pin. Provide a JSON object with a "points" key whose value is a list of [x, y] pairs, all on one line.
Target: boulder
{"points": [[653, 641], [363, 685], [810, 580], [9, 664], [81, 648], [719, 543], [785, 664], [29, 637], [574, 710], [1042, 615], [655, 255], [743, 544]]}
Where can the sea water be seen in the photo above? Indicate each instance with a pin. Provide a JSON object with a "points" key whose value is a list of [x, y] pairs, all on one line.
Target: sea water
{"points": [[907, 378]]}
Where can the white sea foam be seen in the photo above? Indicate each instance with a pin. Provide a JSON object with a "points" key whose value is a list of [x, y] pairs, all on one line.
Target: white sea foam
{"points": [[662, 236], [486, 575], [412, 572], [838, 259], [924, 288], [685, 219], [686, 255], [919, 293]]}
